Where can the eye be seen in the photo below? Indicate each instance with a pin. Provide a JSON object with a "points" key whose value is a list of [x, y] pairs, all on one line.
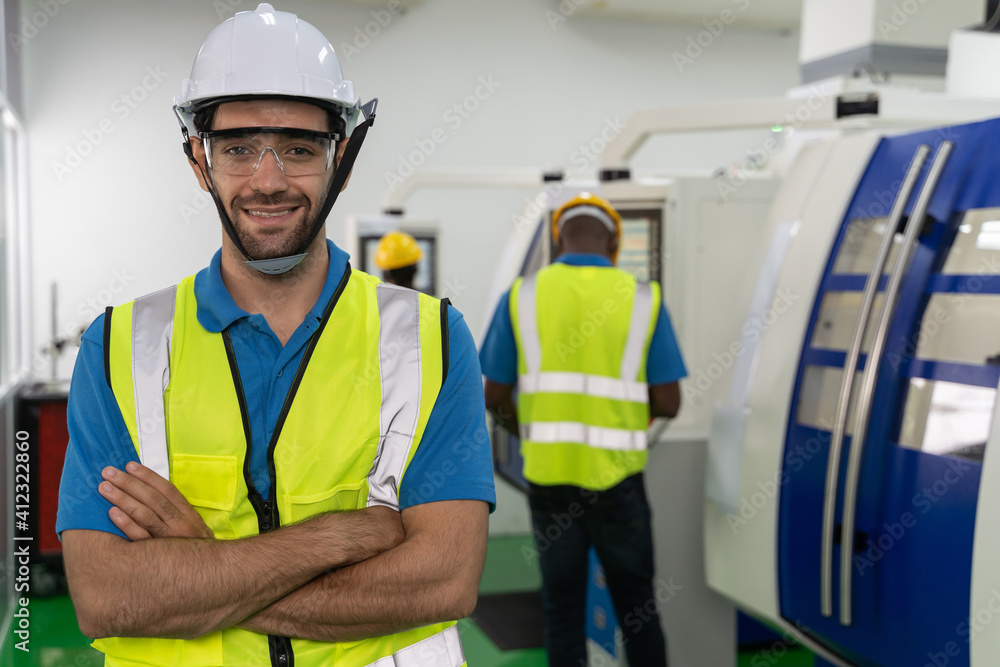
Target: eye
{"points": [[301, 151], [235, 150]]}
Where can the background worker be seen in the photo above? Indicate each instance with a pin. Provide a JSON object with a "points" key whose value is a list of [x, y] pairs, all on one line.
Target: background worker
{"points": [[593, 355], [282, 515], [397, 255]]}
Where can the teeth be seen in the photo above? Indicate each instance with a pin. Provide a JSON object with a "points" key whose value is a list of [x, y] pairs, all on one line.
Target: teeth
{"points": [[265, 214]]}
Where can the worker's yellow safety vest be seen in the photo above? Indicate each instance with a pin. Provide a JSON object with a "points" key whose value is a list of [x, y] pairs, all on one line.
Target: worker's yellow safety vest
{"points": [[583, 335], [377, 358]]}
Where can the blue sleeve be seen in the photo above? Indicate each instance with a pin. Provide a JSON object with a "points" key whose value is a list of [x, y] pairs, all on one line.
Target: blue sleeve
{"points": [[499, 354], [454, 460], [98, 437], [665, 363]]}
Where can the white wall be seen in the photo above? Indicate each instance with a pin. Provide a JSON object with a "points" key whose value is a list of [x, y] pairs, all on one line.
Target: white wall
{"points": [[127, 218]]}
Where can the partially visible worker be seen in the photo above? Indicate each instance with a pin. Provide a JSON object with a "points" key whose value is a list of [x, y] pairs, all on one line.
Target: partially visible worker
{"points": [[397, 255], [289, 511], [593, 355]]}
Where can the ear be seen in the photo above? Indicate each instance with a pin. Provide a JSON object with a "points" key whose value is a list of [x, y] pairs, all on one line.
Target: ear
{"points": [[196, 160]]}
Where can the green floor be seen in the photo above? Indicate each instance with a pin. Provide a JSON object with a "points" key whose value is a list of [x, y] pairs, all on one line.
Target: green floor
{"points": [[56, 640]]}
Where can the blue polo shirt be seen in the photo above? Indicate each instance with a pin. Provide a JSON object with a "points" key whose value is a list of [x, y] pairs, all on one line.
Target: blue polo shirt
{"points": [[453, 461], [499, 354]]}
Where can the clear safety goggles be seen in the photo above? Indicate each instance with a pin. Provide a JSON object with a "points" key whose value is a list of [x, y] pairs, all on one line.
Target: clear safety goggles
{"points": [[239, 152]]}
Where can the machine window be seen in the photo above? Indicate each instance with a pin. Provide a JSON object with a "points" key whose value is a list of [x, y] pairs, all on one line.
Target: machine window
{"points": [[838, 315], [976, 249], [947, 418], [860, 243], [959, 328], [819, 396]]}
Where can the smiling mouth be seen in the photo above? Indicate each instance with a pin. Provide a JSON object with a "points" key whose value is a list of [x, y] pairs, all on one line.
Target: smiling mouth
{"points": [[269, 214]]}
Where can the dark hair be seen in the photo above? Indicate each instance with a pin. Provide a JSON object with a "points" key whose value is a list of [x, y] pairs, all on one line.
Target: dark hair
{"points": [[403, 275], [203, 118]]}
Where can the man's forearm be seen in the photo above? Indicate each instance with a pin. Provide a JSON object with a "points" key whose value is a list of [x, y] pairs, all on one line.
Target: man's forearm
{"points": [[431, 577], [177, 587]]}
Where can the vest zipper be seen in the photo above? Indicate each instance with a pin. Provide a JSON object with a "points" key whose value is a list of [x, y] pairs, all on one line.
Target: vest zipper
{"points": [[279, 648], [268, 519]]}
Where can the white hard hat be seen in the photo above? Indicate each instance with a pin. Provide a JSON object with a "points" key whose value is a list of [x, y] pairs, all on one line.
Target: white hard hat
{"points": [[265, 53]]}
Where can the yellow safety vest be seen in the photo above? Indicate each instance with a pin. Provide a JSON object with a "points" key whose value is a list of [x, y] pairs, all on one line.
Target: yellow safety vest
{"points": [[378, 358], [583, 336]]}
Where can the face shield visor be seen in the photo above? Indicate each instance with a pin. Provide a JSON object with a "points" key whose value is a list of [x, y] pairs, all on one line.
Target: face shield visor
{"points": [[240, 151]]}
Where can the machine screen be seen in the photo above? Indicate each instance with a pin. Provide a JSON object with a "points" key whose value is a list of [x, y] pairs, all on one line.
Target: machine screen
{"points": [[639, 249], [424, 279]]}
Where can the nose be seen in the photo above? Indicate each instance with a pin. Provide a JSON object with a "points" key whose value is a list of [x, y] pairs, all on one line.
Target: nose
{"points": [[268, 175]]}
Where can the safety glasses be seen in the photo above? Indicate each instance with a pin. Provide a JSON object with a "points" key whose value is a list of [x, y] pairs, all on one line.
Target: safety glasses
{"points": [[239, 151]]}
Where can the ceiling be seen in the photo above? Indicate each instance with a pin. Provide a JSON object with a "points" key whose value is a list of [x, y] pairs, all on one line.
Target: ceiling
{"points": [[780, 14], [784, 14]]}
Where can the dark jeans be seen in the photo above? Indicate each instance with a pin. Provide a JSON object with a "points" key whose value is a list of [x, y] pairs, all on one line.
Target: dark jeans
{"points": [[567, 520]]}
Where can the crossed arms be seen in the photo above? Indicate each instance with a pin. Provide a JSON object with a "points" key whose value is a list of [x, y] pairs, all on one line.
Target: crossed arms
{"points": [[336, 577]]}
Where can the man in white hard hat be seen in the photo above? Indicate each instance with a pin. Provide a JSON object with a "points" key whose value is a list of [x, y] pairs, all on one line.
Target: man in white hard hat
{"points": [[280, 460]]}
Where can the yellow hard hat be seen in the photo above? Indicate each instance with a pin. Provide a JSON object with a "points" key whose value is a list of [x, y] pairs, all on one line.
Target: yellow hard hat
{"points": [[396, 250], [591, 205]]}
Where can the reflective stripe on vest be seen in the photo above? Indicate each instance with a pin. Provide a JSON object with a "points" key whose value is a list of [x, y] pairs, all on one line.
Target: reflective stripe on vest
{"points": [[594, 436], [399, 359], [441, 650], [583, 383], [153, 323]]}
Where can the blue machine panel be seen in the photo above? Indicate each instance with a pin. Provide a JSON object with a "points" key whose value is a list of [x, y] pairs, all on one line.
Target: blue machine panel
{"points": [[602, 624], [916, 500]]}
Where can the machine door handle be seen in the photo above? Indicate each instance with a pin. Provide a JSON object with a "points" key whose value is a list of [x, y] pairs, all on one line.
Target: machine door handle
{"points": [[851, 363], [863, 411]]}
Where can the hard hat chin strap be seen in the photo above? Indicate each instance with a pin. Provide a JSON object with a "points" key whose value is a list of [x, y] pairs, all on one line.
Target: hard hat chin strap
{"points": [[279, 265], [284, 264]]}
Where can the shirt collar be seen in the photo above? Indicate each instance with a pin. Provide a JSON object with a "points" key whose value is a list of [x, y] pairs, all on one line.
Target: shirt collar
{"points": [[583, 259], [217, 310]]}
